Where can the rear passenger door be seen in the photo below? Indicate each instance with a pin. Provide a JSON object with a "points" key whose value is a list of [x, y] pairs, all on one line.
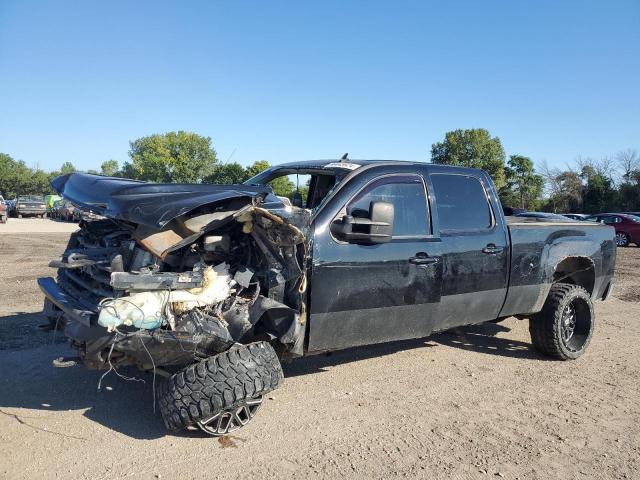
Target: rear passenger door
{"points": [[474, 248]]}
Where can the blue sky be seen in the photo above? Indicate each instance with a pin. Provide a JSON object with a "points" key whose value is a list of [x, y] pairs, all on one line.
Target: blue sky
{"points": [[284, 81]]}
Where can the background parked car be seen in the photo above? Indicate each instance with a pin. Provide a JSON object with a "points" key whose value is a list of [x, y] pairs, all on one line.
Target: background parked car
{"points": [[49, 201], [11, 206], [542, 216], [55, 209], [53, 212], [627, 226], [510, 211], [64, 210], [3, 211], [30, 205], [575, 216]]}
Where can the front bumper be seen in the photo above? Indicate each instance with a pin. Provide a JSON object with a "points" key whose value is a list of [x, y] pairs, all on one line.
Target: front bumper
{"points": [[69, 307], [146, 348], [31, 211]]}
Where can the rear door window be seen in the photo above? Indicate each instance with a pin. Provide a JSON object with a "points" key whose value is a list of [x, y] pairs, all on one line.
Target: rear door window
{"points": [[610, 220], [462, 203]]}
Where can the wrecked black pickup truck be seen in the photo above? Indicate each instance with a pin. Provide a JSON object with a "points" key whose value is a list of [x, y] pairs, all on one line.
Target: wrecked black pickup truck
{"points": [[212, 285]]}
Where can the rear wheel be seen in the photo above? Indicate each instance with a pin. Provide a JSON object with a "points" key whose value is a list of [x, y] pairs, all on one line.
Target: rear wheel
{"points": [[222, 393], [3, 219], [622, 239], [564, 327]]}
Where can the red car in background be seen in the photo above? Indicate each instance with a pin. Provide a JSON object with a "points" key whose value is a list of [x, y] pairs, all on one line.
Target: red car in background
{"points": [[627, 226]]}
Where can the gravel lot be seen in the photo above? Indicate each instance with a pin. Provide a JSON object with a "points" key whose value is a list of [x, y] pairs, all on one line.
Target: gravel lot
{"points": [[473, 403], [36, 225]]}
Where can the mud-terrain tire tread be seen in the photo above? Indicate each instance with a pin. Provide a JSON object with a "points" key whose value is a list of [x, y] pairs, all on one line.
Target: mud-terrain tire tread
{"points": [[220, 382], [545, 336]]}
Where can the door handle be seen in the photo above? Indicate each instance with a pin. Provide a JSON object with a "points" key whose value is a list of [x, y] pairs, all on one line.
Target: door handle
{"points": [[491, 249], [422, 258]]}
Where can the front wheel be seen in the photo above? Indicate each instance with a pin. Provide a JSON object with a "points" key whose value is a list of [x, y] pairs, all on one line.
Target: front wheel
{"points": [[622, 239], [222, 393], [564, 327], [3, 219]]}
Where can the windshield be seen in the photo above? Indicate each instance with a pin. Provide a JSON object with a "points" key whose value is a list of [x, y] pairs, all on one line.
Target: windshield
{"points": [[305, 187], [30, 198], [634, 218]]}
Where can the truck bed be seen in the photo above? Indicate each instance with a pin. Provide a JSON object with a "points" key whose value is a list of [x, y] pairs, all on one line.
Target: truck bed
{"points": [[538, 248]]}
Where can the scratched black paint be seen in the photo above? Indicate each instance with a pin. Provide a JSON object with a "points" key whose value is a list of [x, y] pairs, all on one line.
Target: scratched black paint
{"points": [[365, 294]]}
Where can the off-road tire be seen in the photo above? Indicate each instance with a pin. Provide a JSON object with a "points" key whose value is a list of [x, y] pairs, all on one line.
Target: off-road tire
{"points": [[218, 383], [546, 326]]}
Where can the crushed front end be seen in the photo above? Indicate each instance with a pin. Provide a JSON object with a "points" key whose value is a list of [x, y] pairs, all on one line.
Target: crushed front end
{"points": [[172, 275]]}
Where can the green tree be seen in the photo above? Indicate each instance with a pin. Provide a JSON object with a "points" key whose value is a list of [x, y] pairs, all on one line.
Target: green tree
{"points": [[523, 187], [227, 174], [182, 157], [565, 192], [629, 192], [18, 179], [281, 186], [39, 183], [257, 167], [128, 171], [110, 168], [9, 173], [599, 194], [67, 167], [474, 148]]}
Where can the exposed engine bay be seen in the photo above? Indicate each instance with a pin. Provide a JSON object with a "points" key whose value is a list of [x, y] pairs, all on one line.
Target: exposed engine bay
{"points": [[222, 273]]}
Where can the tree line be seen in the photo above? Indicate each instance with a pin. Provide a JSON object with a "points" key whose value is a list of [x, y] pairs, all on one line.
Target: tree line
{"points": [[16, 178], [584, 186], [173, 157]]}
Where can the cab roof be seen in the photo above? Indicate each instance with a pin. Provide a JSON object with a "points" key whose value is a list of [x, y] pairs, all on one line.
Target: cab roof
{"points": [[354, 164]]}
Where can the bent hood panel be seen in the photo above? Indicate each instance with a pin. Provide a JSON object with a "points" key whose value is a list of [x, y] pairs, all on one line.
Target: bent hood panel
{"points": [[150, 204]]}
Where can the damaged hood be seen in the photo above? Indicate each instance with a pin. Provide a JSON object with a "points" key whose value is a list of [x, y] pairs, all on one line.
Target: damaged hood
{"points": [[150, 204]]}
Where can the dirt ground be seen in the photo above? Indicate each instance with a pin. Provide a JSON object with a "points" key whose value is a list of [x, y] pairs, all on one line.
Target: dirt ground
{"points": [[474, 403], [36, 225]]}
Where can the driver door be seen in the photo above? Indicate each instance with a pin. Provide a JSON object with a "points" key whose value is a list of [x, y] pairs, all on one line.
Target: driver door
{"points": [[370, 293]]}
